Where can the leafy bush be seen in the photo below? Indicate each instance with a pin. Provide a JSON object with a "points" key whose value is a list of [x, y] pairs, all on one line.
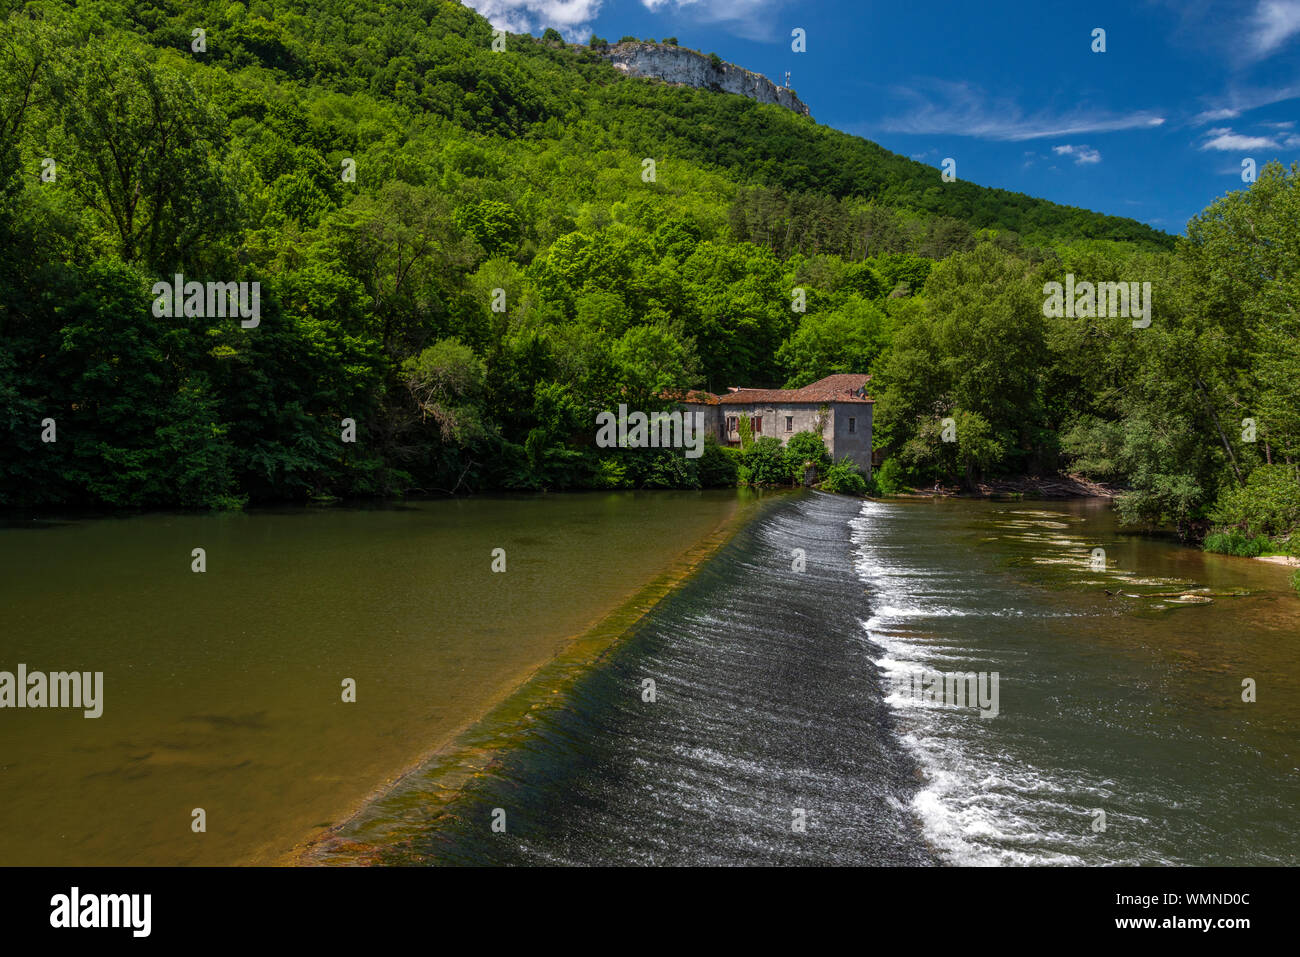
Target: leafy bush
{"points": [[766, 462], [845, 478], [609, 472], [1095, 446], [928, 456], [805, 447], [1268, 504], [889, 479], [718, 466], [1236, 542], [669, 468]]}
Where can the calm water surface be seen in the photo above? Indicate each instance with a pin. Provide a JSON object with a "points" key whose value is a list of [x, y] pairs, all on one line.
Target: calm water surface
{"points": [[223, 689]]}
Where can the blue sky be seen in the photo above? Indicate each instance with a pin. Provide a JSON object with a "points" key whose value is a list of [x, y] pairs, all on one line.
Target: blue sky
{"points": [[1154, 128]]}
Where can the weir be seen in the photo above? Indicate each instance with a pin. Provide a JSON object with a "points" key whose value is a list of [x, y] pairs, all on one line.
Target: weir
{"points": [[767, 717]]}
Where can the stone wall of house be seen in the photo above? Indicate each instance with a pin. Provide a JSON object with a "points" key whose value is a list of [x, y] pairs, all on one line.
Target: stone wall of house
{"points": [[856, 445], [803, 419], [678, 65], [713, 421], [840, 442]]}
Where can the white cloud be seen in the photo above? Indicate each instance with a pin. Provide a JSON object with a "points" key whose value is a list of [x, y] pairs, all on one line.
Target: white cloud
{"points": [[746, 18], [1082, 155], [961, 109], [714, 9], [1227, 141], [571, 17], [1244, 99], [1241, 31], [1274, 23], [1211, 116]]}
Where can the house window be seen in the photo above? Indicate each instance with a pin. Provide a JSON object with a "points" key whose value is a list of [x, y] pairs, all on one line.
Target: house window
{"points": [[789, 423], [731, 423], [853, 424], [758, 424]]}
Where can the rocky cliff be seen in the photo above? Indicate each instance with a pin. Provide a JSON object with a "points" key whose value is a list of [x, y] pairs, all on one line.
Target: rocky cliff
{"points": [[676, 65]]}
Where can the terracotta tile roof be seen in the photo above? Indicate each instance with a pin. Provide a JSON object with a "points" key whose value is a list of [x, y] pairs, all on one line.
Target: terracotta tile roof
{"points": [[694, 396], [833, 388], [747, 396], [836, 388], [843, 388]]}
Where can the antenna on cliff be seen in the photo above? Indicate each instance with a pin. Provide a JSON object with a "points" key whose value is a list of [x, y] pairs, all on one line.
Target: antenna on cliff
{"points": [[787, 79]]}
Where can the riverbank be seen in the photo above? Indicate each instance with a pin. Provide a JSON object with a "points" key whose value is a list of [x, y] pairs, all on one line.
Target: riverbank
{"points": [[1030, 487]]}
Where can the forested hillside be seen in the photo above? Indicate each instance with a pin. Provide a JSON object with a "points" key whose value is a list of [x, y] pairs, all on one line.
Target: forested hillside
{"points": [[461, 251]]}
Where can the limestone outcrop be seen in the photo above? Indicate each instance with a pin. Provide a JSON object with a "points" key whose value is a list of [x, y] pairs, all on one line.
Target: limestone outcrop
{"points": [[677, 65]]}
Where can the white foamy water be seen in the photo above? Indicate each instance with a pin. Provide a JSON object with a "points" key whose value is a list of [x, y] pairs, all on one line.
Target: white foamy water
{"points": [[981, 803]]}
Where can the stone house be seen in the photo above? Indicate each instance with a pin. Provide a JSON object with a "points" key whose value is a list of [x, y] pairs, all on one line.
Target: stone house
{"points": [[837, 407]]}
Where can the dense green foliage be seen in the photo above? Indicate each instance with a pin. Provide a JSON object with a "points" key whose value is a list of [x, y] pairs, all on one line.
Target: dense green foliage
{"points": [[719, 467], [890, 478], [1267, 504], [498, 271], [805, 449], [846, 478], [1236, 542], [765, 463], [1196, 414]]}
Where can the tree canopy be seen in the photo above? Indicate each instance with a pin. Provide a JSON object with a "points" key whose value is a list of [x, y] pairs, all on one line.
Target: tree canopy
{"points": [[460, 252]]}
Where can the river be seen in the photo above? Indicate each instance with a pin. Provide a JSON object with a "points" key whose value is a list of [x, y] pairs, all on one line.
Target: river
{"points": [[595, 703], [223, 689], [1128, 703]]}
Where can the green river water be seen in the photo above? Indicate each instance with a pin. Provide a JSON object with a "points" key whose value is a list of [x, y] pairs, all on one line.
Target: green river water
{"points": [[223, 690]]}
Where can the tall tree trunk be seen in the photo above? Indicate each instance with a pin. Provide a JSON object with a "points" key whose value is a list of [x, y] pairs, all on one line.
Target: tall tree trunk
{"points": [[1232, 458]]}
